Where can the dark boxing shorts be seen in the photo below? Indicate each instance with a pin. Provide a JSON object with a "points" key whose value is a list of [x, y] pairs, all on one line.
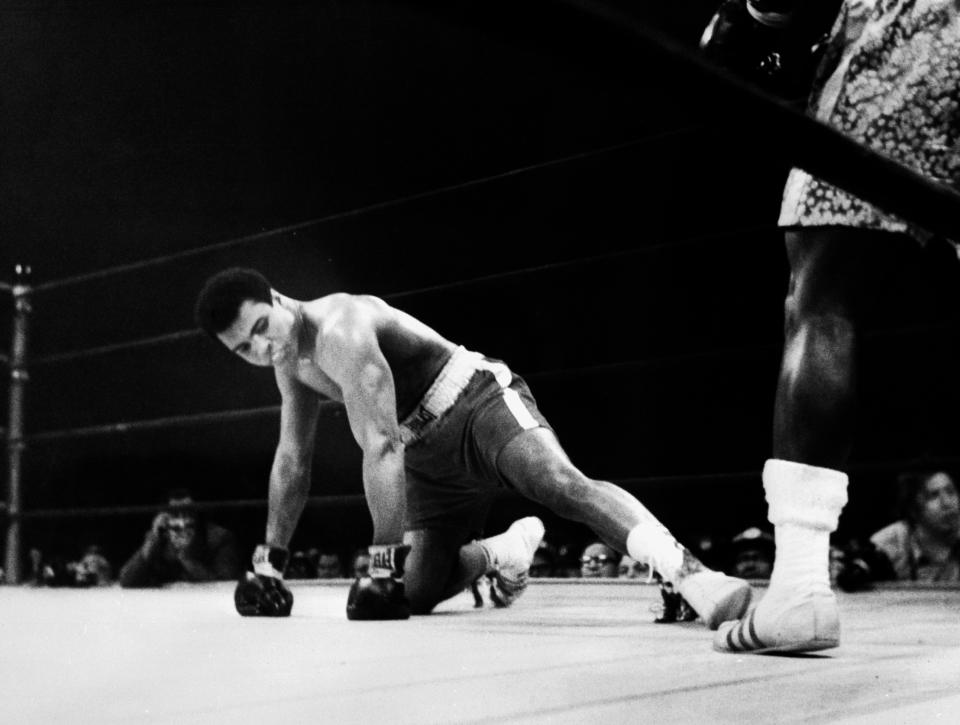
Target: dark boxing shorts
{"points": [[453, 438]]}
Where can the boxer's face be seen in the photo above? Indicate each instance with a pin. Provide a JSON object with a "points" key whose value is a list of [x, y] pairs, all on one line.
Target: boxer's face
{"points": [[261, 334]]}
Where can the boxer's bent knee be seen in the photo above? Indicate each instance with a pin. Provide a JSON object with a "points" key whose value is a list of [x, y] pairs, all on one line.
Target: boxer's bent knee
{"points": [[422, 593], [430, 566]]}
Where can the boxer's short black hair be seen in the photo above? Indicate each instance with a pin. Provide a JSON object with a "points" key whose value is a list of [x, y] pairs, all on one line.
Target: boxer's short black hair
{"points": [[219, 301]]}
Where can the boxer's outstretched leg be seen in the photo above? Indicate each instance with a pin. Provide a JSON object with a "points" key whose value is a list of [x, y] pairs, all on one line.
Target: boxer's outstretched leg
{"points": [[536, 465]]}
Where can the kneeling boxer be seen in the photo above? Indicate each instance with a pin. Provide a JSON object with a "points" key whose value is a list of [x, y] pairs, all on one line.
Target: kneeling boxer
{"points": [[440, 428]]}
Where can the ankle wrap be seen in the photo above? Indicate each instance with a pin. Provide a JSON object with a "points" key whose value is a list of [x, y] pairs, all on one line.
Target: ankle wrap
{"points": [[807, 496]]}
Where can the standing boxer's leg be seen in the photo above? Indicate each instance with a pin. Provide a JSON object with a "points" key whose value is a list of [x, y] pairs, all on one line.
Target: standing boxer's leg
{"points": [[835, 276]]}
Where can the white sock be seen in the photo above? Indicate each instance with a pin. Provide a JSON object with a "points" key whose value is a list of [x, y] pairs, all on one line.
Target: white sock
{"points": [[651, 543], [803, 558], [804, 506]]}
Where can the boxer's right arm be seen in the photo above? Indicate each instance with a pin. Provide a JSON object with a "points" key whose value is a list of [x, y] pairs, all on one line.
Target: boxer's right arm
{"points": [[292, 462]]}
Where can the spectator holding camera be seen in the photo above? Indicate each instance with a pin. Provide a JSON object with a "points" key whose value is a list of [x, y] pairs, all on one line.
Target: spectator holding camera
{"points": [[182, 545], [92, 569]]}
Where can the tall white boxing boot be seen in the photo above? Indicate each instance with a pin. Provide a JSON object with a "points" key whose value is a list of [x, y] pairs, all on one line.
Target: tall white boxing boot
{"points": [[799, 611]]}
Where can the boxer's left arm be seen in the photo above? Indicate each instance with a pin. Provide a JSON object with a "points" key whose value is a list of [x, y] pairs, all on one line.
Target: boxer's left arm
{"points": [[353, 358], [263, 593]]}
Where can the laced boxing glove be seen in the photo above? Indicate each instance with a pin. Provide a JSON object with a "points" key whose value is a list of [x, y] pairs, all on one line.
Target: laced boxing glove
{"points": [[262, 593], [776, 44], [380, 595]]}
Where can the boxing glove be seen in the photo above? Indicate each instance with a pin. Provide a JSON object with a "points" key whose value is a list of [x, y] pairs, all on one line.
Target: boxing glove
{"points": [[380, 595], [262, 593], [775, 44]]}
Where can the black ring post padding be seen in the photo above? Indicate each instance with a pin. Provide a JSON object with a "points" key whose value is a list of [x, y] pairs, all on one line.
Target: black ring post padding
{"points": [[766, 123]]}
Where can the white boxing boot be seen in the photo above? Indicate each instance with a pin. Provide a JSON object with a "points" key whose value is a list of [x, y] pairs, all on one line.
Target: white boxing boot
{"points": [[799, 611], [509, 556], [713, 595]]}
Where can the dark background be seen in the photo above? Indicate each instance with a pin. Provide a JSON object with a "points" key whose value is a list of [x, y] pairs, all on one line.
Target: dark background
{"points": [[630, 268]]}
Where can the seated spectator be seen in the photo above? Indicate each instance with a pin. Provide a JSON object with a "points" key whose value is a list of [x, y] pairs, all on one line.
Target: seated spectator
{"points": [[836, 563], [360, 563], [544, 561], [705, 548], [35, 576], [329, 565], [302, 565], [93, 569], [598, 561], [56, 571], [751, 554], [924, 544], [568, 563], [630, 568], [182, 545]]}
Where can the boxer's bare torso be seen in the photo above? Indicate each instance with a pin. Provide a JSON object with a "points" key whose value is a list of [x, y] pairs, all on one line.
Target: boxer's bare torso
{"points": [[325, 331]]}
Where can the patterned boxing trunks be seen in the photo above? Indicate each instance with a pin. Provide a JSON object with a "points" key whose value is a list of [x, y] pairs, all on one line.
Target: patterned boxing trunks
{"points": [[890, 79]]}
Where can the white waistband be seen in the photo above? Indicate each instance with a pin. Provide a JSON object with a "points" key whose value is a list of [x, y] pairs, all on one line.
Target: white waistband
{"points": [[444, 391]]}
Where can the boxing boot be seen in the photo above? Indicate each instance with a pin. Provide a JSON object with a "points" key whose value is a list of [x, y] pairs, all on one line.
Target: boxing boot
{"points": [[799, 611], [713, 595], [509, 556]]}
